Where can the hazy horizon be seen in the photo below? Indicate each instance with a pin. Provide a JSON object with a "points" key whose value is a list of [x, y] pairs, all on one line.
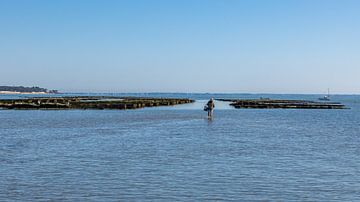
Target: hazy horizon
{"points": [[279, 47]]}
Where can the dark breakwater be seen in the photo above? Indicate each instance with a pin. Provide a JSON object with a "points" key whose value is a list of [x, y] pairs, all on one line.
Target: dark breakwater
{"points": [[283, 104], [89, 102]]}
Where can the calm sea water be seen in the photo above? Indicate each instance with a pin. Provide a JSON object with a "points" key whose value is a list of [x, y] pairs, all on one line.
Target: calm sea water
{"points": [[177, 154]]}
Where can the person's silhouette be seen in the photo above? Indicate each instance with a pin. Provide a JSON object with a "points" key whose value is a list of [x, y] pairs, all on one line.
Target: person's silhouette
{"points": [[209, 107]]}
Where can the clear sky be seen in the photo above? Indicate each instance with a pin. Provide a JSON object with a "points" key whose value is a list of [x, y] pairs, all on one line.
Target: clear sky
{"points": [[269, 46]]}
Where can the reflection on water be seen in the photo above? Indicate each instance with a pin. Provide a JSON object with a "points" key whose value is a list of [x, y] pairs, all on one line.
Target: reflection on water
{"points": [[197, 105], [167, 154]]}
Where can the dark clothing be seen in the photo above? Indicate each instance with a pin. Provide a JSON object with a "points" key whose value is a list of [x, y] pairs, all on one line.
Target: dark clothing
{"points": [[210, 108], [210, 105]]}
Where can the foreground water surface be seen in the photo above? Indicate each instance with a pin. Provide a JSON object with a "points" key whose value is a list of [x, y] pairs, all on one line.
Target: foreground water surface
{"points": [[176, 153]]}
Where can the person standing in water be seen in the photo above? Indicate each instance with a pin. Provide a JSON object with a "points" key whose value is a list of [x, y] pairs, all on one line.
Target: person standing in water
{"points": [[209, 107]]}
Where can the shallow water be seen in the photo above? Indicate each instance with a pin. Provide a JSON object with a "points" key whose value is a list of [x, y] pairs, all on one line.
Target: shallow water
{"points": [[176, 153]]}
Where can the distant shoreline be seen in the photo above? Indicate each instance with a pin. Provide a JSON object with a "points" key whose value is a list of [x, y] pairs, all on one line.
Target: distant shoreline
{"points": [[19, 90], [20, 93]]}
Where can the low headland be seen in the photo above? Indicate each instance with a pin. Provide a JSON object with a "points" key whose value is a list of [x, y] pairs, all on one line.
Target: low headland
{"points": [[25, 90]]}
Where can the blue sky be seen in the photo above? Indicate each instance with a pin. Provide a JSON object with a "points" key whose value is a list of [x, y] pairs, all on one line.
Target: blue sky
{"points": [[268, 46]]}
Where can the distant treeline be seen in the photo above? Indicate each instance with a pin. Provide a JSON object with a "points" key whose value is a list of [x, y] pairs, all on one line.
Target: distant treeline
{"points": [[23, 89]]}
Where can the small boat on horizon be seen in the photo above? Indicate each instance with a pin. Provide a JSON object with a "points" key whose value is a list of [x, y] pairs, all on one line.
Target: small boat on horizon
{"points": [[326, 97]]}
